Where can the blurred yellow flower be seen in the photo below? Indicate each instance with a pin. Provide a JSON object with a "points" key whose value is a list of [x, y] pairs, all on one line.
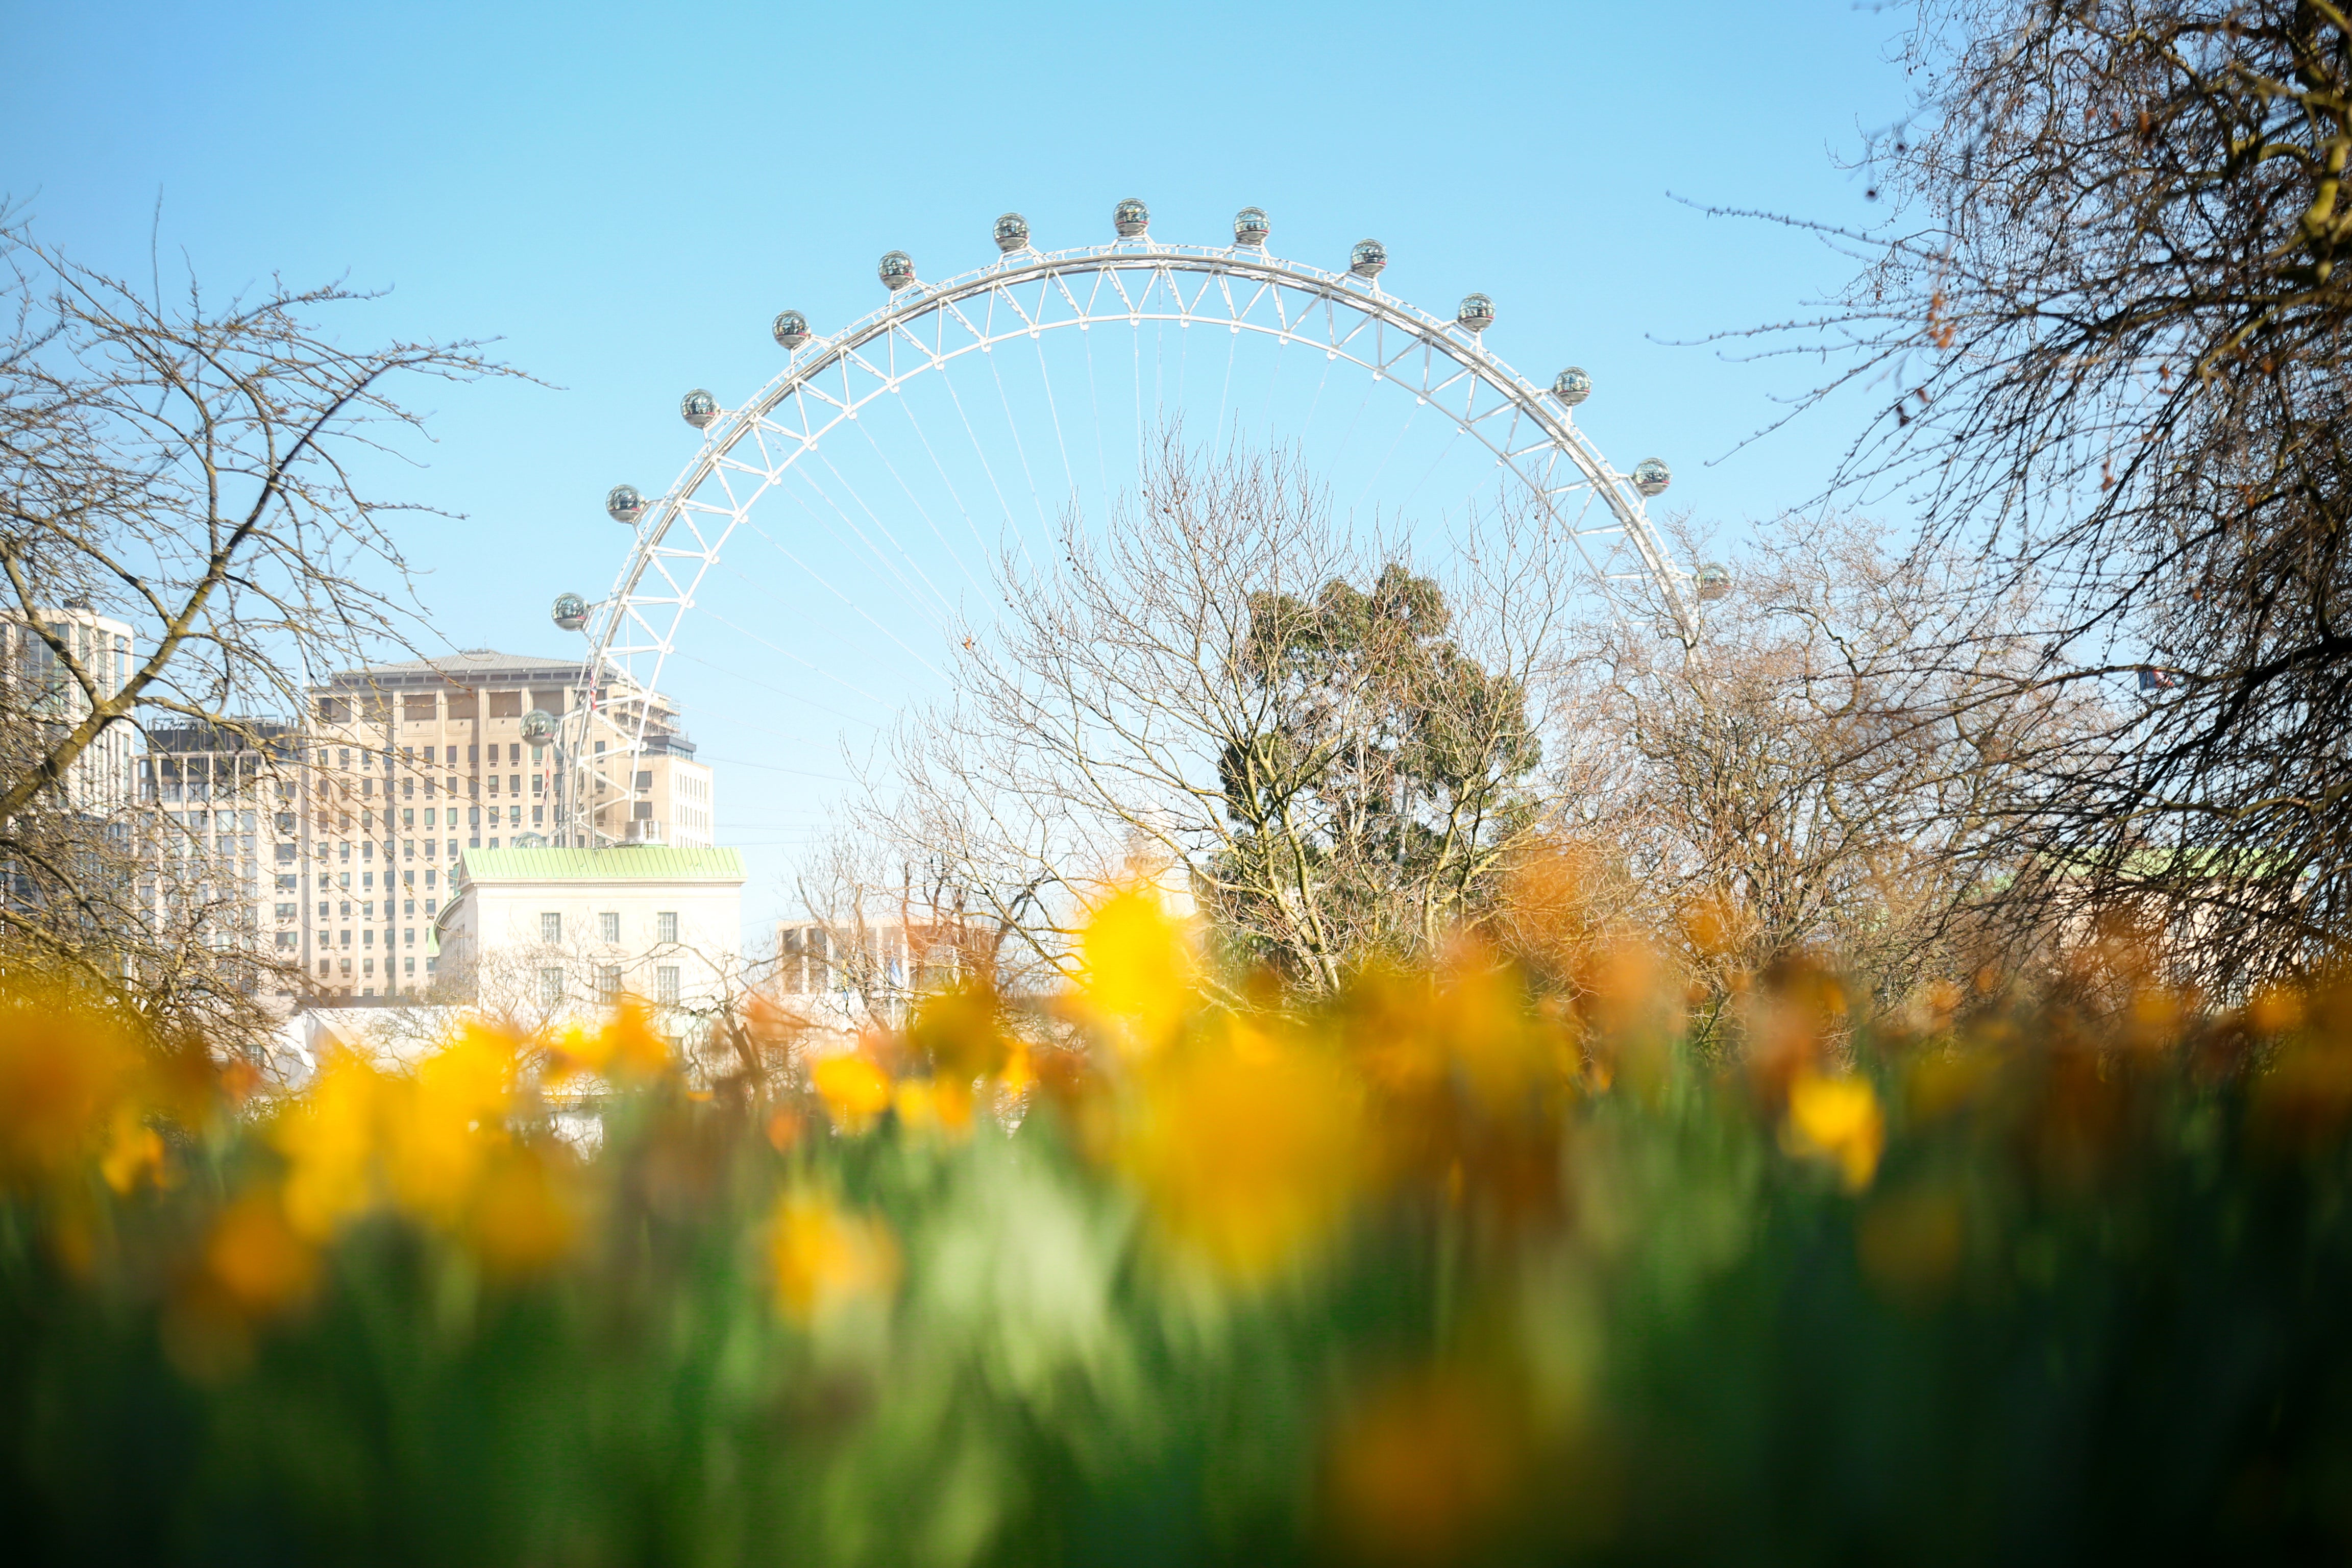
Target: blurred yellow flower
{"points": [[1137, 967], [854, 1090], [256, 1258], [64, 1069], [525, 1213], [133, 1150], [443, 1123], [824, 1259], [960, 1030], [624, 1047], [328, 1137], [2275, 1009], [1248, 1148], [1839, 1119]]}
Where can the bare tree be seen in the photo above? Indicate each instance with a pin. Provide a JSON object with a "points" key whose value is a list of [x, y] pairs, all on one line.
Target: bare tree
{"points": [[1794, 781], [887, 927], [2105, 340], [195, 468], [1200, 695]]}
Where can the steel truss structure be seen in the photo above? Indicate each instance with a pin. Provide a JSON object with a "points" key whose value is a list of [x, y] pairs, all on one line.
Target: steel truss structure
{"points": [[925, 328]]}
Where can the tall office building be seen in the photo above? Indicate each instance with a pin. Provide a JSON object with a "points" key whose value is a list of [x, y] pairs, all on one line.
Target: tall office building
{"points": [[47, 695], [345, 830], [412, 763]]}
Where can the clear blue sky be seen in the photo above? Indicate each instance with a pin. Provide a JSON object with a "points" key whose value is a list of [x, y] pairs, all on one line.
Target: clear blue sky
{"points": [[625, 196]]}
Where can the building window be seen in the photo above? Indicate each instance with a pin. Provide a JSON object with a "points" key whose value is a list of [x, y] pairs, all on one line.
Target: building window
{"points": [[551, 927], [408, 937], [608, 926], [666, 926], [550, 987], [666, 984], [608, 982]]}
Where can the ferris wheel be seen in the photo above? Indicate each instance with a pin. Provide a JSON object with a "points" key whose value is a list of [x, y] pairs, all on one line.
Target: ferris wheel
{"points": [[868, 473]]}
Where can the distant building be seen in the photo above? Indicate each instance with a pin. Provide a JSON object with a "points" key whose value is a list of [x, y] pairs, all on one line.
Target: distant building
{"points": [[343, 830], [223, 803], [415, 763], [844, 974], [45, 692], [538, 932]]}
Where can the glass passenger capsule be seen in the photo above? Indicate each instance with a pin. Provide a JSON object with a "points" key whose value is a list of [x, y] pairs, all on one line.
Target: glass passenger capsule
{"points": [[698, 408], [1477, 312], [1367, 259], [1250, 227], [539, 727], [1132, 219], [897, 270], [624, 504], [790, 329], [1011, 233], [1713, 580], [571, 612], [1651, 476], [1571, 385]]}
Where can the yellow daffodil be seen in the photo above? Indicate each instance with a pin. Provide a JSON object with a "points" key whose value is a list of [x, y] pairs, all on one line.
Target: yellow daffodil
{"points": [[823, 1258], [1839, 1119]]}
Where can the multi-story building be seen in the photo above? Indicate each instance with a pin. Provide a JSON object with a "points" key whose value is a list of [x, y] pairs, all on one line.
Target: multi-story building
{"points": [[47, 695], [847, 973], [344, 832], [414, 764], [533, 933], [226, 816]]}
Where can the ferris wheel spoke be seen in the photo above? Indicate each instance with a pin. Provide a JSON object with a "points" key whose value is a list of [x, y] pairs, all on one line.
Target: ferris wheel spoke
{"points": [[810, 665], [970, 524], [1054, 411], [938, 613], [852, 605], [1003, 507], [1020, 448], [920, 509]]}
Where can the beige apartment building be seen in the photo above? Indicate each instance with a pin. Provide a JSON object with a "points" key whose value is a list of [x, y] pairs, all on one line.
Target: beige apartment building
{"points": [[348, 830], [98, 781]]}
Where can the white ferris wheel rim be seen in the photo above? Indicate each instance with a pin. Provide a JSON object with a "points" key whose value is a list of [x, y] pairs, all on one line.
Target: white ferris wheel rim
{"points": [[639, 619]]}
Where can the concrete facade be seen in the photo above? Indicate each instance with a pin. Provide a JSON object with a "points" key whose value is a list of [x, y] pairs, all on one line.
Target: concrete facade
{"points": [[538, 933]]}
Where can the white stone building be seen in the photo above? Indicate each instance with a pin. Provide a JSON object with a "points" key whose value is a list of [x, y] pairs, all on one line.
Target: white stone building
{"points": [[535, 933]]}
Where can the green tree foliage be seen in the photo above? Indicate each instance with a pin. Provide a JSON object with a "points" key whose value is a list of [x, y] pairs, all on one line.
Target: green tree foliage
{"points": [[1391, 777]]}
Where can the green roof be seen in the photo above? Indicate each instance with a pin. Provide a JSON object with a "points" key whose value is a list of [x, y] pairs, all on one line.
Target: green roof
{"points": [[622, 863]]}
